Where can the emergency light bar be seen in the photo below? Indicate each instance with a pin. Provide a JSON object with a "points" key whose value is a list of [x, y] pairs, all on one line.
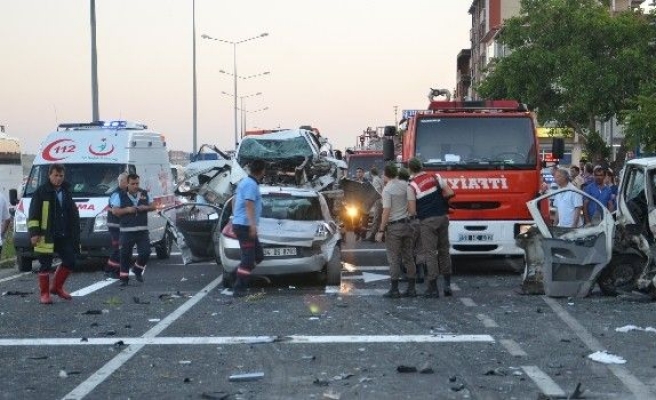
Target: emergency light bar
{"points": [[117, 124], [483, 105]]}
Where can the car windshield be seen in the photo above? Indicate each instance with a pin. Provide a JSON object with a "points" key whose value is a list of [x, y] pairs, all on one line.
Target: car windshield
{"points": [[364, 162], [291, 207], [274, 149], [473, 141], [87, 180]]}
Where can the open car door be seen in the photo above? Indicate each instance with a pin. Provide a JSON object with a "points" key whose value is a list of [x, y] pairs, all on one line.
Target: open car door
{"points": [[194, 226], [573, 256]]}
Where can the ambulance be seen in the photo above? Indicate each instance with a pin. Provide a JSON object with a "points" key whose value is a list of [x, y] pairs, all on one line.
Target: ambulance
{"points": [[94, 154]]}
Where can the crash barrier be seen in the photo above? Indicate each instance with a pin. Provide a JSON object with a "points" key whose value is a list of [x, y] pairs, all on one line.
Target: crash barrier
{"points": [[570, 272]]}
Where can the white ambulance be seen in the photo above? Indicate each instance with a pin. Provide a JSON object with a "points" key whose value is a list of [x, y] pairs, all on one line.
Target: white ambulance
{"points": [[94, 154]]}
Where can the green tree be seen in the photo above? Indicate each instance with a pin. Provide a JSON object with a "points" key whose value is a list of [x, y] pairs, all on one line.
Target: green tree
{"points": [[572, 61]]}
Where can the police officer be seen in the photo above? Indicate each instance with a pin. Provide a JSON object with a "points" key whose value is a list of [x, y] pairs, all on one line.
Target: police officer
{"points": [[133, 212], [113, 226], [432, 194], [399, 237], [54, 226]]}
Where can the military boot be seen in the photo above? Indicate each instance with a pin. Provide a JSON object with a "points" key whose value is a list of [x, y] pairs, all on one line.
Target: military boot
{"points": [[393, 293], [432, 292], [410, 291], [447, 286]]}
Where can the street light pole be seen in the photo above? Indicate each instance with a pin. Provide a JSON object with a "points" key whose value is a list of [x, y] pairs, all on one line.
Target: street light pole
{"points": [[195, 101], [241, 107], [235, 75], [94, 65], [244, 112]]}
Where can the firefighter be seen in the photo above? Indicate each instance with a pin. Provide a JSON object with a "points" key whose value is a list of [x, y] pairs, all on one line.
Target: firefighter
{"points": [[54, 226]]}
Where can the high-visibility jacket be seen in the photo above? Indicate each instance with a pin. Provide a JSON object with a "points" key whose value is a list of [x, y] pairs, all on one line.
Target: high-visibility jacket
{"points": [[46, 217]]}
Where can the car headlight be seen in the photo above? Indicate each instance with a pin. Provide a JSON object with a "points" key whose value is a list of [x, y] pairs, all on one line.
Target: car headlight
{"points": [[352, 211], [100, 222], [20, 222]]}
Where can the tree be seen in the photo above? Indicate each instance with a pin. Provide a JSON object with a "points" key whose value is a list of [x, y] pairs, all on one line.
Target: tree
{"points": [[572, 61]]}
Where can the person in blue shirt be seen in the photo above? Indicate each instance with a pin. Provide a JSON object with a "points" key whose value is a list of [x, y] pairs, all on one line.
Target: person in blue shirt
{"points": [[247, 209], [592, 213]]}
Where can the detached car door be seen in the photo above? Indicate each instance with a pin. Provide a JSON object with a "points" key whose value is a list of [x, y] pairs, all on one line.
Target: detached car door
{"points": [[573, 256]]}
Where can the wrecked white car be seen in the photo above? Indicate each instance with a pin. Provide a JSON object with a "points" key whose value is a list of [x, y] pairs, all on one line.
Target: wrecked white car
{"points": [[616, 252], [297, 233]]}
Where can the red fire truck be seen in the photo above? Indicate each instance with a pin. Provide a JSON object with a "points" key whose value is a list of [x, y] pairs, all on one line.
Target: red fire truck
{"points": [[488, 153]]}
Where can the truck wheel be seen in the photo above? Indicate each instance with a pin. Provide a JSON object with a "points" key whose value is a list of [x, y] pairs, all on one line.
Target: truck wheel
{"points": [[163, 248], [334, 268], [23, 263], [620, 274]]}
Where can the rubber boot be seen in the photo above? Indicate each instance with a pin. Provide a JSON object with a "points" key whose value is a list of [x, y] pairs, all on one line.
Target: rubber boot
{"points": [[421, 272], [410, 291], [44, 288], [447, 286], [61, 274], [393, 293], [432, 292]]}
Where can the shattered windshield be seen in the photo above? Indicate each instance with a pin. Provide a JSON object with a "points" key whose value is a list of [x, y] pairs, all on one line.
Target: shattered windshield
{"points": [[274, 149], [87, 180], [474, 141]]}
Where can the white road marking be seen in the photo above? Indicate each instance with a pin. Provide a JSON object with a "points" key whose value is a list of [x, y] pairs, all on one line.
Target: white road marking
{"points": [[513, 348], [92, 288], [352, 268], [350, 291], [468, 302], [487, 321], [635, 386], [363, 250], [226, 340], [544, 382], [86, 387], [366, 277], [9, 278]]}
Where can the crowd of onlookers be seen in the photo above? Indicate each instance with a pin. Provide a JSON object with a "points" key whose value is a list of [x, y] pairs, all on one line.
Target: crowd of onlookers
{"points": [[598, 181]]}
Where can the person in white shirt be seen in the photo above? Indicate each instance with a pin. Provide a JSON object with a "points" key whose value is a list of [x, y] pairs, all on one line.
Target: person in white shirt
{"points": [[568, 204]]}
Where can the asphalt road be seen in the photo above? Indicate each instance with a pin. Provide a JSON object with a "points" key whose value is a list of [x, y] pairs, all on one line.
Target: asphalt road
{"points": [[180, 336]]}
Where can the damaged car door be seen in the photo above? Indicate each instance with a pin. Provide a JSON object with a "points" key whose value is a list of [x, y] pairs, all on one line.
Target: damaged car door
{"points": [[574, 256]]}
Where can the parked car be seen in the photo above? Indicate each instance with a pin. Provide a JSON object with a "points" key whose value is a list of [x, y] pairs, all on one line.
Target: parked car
{"points": [[297, 232]]}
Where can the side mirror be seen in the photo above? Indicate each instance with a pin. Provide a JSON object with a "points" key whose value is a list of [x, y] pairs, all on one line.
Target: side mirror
{"points": [[13, 197]]}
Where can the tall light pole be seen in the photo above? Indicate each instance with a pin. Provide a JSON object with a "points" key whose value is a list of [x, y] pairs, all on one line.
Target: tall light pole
{"points": [[244, 112], [241, 105], [94, 64], [234, 53], [195, 101]]}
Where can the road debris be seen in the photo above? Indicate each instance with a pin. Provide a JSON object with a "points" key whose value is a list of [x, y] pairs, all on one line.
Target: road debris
{"points": [[406, 369], [606, 358], [215, 395], [331, 395], [251, 376], [16, 293]]}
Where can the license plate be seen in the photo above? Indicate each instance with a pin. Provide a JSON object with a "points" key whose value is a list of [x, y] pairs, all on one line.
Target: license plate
{"points": [[475, 237], [280, 252]]}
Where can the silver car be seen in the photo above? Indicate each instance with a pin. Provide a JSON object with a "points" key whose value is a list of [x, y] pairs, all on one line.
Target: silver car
{"points": [[297, 233]]}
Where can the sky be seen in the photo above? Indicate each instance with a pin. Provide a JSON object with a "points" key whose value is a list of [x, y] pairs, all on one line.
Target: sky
{"points": [[340, 66]]}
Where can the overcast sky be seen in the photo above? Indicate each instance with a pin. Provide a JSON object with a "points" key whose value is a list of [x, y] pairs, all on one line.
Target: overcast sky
{"points": [[339, 65]]}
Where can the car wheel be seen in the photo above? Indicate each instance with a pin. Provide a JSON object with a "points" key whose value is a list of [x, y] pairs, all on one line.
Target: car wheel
{"points": [[163, 248], [228, 279], [620, 274], [334, 268], [23, 263]]}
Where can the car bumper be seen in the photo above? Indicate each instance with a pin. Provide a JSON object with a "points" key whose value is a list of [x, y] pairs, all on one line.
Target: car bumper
{"points": [[307, 260]]}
